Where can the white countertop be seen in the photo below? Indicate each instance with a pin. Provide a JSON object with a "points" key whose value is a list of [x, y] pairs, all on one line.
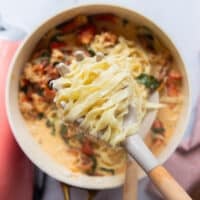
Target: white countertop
{"points": [[179, 18]]}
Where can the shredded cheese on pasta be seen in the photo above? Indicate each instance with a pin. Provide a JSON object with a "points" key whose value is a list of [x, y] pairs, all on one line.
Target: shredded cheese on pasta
{"points": [[98, 94]]}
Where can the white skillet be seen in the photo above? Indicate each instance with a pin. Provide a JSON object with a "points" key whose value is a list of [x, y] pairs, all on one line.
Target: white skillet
{"points": [[19, 127]]}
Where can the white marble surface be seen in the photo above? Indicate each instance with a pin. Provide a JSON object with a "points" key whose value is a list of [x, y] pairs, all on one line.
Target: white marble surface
{"points": [[179, 18]]}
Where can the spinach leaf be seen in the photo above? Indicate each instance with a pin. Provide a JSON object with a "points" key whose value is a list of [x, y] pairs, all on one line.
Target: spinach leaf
{"points": [[55, 38], [147, 39], [94, 160], [40, 91], [53, 129], [80, 136], [160, 130], [45, 54], [51, 124], [63, 130], [48, 123], [149, 81], [91, 52], [40, 115], [111, 171], [24, 89], [94, 165]]}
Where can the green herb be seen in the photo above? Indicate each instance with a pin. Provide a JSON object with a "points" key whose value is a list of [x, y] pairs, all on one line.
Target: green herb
{"points": [[55, 38], [40, 91], [24, 89], [94, 166], [149, 81], [40, 115], [146, 32], [160, 130], [53, 129], [91, 52], [80, 136], [49, 123], [146, 38], [55, 63], [45, 54], [94, 160], [111, 171], [125, 21], [63, 130]]}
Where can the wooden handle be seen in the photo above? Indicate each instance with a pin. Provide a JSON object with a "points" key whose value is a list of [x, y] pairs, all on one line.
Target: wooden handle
{"points": [[130, 183], [66, 191], [166, 184]]}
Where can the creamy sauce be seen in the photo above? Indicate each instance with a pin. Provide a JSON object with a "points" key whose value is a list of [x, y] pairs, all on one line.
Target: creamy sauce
{"points": [[52, 144]]}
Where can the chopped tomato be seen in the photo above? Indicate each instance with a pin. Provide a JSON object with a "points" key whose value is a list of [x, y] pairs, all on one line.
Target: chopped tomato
{"points": [[174, 75], [107, 17], [49, 94], [57, 45], [172, 90], [24, 99], [86, 34], [174, 78], [87, 147]]}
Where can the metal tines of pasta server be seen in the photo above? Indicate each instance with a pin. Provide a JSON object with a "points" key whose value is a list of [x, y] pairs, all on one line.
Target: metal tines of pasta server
{"points": [[79, 55], [62, 69]]}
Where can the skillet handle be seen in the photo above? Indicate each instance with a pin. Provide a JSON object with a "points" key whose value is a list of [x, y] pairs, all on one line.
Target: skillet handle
{"points": [[66, 191], [166, 184]]}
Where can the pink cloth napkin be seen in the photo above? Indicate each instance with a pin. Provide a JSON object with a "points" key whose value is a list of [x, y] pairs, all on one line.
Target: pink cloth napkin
{"points": [[16, 171], [184, 164]]}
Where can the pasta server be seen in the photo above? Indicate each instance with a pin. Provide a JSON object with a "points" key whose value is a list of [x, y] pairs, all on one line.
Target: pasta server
{"points": [[138, 150]]}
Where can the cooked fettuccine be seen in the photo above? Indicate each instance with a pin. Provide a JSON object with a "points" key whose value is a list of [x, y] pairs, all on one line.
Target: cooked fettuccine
{"points": [[98, 94]]}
